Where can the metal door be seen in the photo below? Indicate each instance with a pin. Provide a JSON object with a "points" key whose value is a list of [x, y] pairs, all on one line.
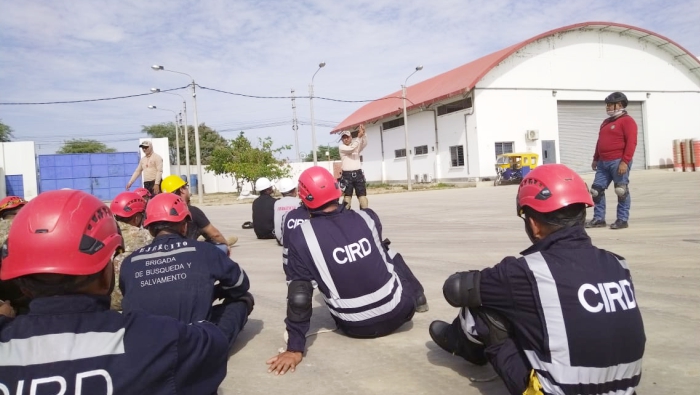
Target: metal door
{"points": [[549, 152]]}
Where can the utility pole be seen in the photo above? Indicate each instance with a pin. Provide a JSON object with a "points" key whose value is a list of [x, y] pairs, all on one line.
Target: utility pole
{"points": [[295, 125]]}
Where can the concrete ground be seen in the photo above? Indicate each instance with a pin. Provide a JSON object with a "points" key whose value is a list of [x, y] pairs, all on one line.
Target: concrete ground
{"points": [[443, 231]]}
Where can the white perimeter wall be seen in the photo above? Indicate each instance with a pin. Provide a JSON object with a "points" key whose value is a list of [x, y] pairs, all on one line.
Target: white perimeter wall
{"points": [[226, 184], [585, 65], [19, 158]]}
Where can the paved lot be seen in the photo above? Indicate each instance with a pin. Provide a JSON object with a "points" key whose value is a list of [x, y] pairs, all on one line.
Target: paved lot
{"points": [[440, 232]]}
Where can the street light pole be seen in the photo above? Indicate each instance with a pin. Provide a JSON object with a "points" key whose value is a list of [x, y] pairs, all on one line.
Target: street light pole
{"points": [[185, 135], [177, 133], [311, 104], [196, 132], [405, 128]]}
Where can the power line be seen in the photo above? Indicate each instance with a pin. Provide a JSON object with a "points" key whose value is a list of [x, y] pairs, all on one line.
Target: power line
{"points": [[201, 87], [298, 97], [89, 100]]}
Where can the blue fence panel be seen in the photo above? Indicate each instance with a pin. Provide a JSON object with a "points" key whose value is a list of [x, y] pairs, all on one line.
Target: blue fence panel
{"points": [[14, 185], [82, 172], [64, 172], [131, 158], [47, 185], [46, 160], [103, 175], [80, 159], [83, 184], [63, 160]]}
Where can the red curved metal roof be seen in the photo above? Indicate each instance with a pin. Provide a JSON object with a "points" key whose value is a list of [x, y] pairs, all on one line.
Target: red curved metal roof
{"points": [[462, 79]]}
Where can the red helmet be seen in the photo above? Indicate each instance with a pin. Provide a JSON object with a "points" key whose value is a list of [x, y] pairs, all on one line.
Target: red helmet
{"points": [[11, 202], [550, 187], [127, 204], [60, 232], [317, 186], [166, 207], [143, 192]]}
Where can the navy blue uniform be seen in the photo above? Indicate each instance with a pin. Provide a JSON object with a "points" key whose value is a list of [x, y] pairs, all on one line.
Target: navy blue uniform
{"points": [[574, 317], [368, 294], [76, 345], [290, 223], [176, 277]]}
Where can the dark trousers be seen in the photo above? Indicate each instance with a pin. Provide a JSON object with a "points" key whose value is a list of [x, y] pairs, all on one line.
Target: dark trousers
{"points": [[412, 288], [230, 317], [354, 181], [404, 313], [506, 357], [149, 185]]}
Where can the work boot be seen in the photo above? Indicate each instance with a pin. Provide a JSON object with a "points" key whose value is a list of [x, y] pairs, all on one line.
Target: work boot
{"points": [[445, 336], [348, 202], [421, 304], [619, 224], [363, 202], [596, 223], [231, 240]]}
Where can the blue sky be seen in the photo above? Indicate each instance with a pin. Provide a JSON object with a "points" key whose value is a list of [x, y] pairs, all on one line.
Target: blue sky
{"points": [[60, 50]]}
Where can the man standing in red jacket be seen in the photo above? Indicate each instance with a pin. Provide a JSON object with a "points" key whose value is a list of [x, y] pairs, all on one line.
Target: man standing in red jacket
{"points": [[612, 161]]}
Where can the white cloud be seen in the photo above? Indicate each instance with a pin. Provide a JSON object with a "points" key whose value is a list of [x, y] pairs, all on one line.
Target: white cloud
{"points": [[91, 49]]}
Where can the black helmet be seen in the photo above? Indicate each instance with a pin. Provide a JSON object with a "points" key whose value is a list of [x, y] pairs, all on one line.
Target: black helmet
{"points": [[617, 97]]}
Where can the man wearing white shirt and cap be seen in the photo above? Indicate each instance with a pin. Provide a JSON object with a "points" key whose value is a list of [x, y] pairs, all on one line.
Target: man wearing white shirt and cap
{"points": [[288, 202], [151, 165], [353, 179]]}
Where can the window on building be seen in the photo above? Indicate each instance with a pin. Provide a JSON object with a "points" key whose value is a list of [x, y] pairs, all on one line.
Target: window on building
{"points": [[455, 106], [392, 124], [400, 153], [421, 150], [457, 155], [504, 147]]}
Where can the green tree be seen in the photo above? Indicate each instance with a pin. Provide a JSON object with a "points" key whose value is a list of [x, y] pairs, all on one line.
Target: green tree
{"points": [[209, 139], [5, 132], [246, 163], [321, 154], [84, 146]]}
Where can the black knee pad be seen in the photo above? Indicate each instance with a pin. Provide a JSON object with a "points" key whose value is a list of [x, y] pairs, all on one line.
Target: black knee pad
{"points": [[622, 191], [299, 295], [598, 193], [462, 289]]}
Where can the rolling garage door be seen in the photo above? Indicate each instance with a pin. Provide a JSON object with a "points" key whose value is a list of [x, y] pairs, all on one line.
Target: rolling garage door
{"points": [[579, 124]]}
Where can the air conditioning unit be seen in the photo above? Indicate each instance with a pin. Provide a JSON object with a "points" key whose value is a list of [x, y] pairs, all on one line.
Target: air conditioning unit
{"points": [[417, 178], [532, 135]]}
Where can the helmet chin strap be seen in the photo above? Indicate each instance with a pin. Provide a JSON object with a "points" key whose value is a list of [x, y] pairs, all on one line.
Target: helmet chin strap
{"points": [[528, 230]]}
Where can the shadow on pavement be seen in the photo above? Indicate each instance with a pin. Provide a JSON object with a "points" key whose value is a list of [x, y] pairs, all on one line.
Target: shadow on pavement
{"points": [[251, 329], [440, 357]]}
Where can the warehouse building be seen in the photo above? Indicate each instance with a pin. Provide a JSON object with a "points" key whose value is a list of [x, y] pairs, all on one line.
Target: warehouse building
{"points": [[543, 95]]}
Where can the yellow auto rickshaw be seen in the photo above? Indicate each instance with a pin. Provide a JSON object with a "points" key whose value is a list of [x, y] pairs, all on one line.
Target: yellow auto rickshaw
{"points": [[512, 167]]}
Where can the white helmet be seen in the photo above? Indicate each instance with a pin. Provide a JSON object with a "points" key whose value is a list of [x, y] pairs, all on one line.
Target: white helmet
{"points": [[286, 185], [262, 184]]}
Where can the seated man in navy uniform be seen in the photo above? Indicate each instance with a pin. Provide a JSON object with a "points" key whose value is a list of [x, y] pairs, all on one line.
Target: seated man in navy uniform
{"points": [[177, 277], [561, 319], [60, 250], [369, 290]]}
